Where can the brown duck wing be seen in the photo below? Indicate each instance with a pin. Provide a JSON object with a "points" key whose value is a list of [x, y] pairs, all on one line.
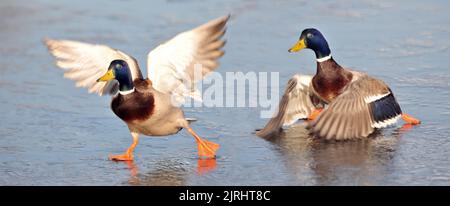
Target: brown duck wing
{"points": [[295, 104], [365, 104]]}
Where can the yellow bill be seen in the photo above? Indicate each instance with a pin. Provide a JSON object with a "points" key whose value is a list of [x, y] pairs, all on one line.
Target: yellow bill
{"points": [[298, 46], [108, 76]]}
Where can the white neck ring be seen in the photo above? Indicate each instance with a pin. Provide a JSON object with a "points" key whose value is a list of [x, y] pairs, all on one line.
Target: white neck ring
{"points": [[324, 58], [127, 92]]}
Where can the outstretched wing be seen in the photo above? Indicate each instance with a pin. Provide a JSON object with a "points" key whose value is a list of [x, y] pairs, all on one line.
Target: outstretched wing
{"points": [[171, 66], [365, 104], [85, 63], [295, 104]]}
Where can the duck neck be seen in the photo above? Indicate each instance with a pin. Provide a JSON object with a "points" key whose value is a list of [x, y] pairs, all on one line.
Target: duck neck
{"points": [[126, 85], [327, 65], [323, 53], [321, 49], [323, 58]]}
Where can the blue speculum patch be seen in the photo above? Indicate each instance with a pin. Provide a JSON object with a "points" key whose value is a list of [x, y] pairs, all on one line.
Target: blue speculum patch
{"points": [[385, 108]]}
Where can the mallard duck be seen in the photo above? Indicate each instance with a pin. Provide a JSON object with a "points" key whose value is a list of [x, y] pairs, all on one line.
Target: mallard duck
{"points": [[148, 106], [338, 103]]}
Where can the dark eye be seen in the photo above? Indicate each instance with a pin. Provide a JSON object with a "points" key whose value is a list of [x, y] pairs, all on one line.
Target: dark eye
{"points": [[118, 66], [309, 35]]}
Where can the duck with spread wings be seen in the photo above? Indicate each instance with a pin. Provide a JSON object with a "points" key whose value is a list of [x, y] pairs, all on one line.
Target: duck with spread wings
{"points": [[148, 106], [339, 103]]}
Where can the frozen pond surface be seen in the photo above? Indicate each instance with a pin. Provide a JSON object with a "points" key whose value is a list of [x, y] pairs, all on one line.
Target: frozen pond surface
{"points": [[52, 133]]}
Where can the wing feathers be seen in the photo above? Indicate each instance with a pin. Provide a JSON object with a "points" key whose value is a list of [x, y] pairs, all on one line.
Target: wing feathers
{"points": [[181, 55], [365, 104], [85, 63], [295, 104]]}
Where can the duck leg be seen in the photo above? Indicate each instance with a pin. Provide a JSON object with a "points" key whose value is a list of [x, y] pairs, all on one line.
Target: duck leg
{"points": [[409, 119], [128, 155], [314, 114], [205, 148]]}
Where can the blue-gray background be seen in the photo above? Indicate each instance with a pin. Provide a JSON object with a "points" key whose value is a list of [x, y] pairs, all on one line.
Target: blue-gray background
{"points": [[52, 133]]}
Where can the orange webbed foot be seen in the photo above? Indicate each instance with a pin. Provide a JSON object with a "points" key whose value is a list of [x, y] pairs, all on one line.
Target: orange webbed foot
{"points": [[128, 155], [314, 114], [410, 120], [205, 148]]}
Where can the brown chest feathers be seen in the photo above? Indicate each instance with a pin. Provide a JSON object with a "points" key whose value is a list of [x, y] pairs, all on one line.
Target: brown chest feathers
{"points": [[138, 105], [330, 79]]}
